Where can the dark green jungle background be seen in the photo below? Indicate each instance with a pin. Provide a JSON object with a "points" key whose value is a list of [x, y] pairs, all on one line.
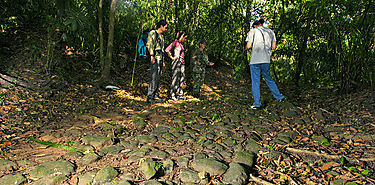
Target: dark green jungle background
{"points": [[320, 43]]}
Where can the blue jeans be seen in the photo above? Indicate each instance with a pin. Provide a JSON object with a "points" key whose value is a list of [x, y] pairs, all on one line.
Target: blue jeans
{"points": [[255, 82]]}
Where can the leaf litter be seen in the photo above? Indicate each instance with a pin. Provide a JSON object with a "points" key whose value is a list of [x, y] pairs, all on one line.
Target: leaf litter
{"points": [[333, 136]]}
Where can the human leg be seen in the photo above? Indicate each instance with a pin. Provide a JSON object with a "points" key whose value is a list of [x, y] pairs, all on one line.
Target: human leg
{"points": [[255, 83], [153, 86], [180, 90], [270, 83], [197, 83], [174, 84], [157, 79], [152, 83]]}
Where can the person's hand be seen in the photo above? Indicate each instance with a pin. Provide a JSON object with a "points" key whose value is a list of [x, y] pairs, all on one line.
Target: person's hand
{"points": [[152, 60], [211, 63], [198, 63], [163, 64], [175, 58]]}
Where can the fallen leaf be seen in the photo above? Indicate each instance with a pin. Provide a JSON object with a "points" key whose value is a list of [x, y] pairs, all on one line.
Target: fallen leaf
{"points": [[7, 143], [329, 165]]}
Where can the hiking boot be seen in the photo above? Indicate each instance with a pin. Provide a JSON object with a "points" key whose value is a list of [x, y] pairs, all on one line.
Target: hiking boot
{"points": [[157, 98], [150, 100], [196, 95], [254, 107]]}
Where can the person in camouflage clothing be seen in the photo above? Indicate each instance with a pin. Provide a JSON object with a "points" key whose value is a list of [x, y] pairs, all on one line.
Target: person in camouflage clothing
{"points": [[200, 61], [155, 46]]}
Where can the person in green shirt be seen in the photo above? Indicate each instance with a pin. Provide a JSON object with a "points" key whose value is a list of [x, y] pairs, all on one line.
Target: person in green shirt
{"points": [[200, 61], [155, 45]]}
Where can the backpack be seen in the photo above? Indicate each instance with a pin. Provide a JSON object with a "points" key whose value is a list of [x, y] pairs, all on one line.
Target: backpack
{"points": [[142, 49]]}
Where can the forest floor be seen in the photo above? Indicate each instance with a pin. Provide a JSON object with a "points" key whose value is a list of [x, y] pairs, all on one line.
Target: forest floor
{"points": [[316, 137]]}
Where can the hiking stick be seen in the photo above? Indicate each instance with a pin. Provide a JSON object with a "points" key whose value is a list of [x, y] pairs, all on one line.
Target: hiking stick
{"points": [[135, 58]]}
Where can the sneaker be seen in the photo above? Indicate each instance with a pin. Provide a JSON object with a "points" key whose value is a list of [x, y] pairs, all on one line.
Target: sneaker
{"points": [[182, 98], [282, 100], [254, 107], [173, 98], [157, 98]]}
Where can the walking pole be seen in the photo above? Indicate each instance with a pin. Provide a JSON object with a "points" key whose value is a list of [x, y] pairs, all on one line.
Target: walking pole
{"points": [[135, 58]]}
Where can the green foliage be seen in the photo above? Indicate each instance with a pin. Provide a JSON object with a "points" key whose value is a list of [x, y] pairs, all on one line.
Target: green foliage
{"points": [[158, 165], [271, 148], [216, 117], [88, 108], [321, 43], [2, 98], [55, 145], [232, 140], [351, 168], [323, 37]]}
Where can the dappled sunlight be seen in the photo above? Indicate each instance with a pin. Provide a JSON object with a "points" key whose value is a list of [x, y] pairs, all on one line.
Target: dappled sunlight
{"points": [[73, 90], [211, 92], [128, 95]]}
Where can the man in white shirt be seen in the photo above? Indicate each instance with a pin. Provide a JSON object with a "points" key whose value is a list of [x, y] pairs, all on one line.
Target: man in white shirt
{"points": [[262, 41]]}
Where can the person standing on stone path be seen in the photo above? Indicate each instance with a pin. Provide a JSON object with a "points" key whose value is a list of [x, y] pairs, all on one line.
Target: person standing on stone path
{"points": [[178, 65], [155, 45], [262, 41], [200, 61]]}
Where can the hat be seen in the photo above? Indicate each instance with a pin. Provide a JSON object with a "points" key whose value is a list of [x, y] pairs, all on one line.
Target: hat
{"points": [[255, 23], [258, 22]]}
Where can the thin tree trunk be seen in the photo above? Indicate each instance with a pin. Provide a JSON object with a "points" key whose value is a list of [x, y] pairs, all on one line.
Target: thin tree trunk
{"points": [[101, 39], [300, 61], [111, 29], [136, 54], [176, 9], [247, 29], [302, 50]]}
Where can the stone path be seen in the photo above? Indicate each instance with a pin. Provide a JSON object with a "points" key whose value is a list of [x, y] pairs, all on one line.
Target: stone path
{"points": [[161, 145], [217, 140]]}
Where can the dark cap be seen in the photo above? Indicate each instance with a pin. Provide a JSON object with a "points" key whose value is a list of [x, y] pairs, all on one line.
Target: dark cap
{"points": [[258, 22], [202, 41], [255, 23]]}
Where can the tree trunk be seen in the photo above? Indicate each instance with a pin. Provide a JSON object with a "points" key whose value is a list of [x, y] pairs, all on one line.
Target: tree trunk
{"points": [[176, 9], [111, 29], [302, 50], [300, 60], [101, 39], [7, 81], [247, 29]]}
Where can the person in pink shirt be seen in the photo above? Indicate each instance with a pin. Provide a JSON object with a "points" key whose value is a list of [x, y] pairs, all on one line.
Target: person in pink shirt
{"points": [[178, 65]]}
